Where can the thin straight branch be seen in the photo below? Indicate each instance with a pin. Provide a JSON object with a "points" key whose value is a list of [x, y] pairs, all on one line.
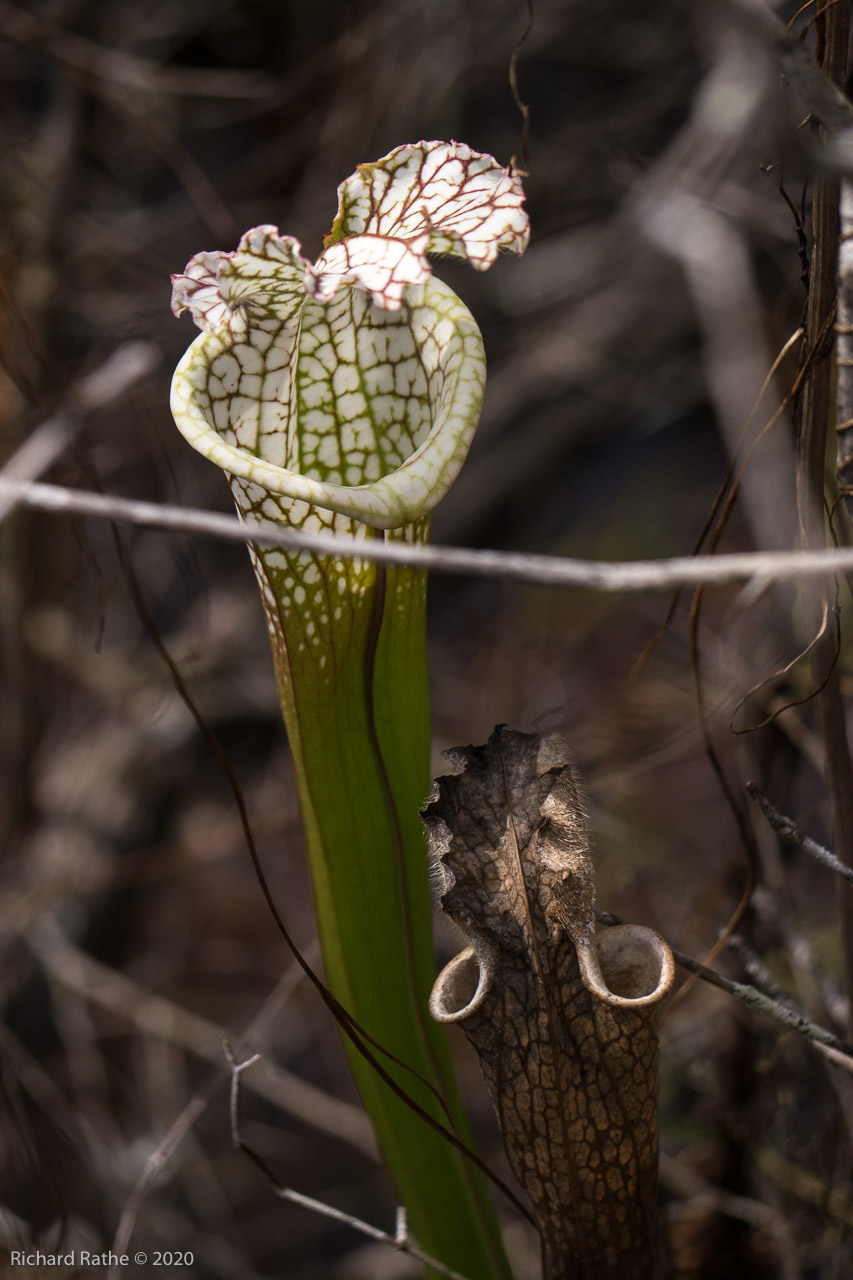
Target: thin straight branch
{"points": [[760, 974], [399, 1240], [779, 822], [594, 575], [158, 1159], [839, 1050]]}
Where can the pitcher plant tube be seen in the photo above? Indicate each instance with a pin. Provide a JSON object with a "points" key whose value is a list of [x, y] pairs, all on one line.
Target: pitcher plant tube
{"points": [[342, 395]]}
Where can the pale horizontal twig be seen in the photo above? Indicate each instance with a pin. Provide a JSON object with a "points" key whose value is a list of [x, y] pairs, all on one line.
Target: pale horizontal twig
{"points": [[596, 575]]}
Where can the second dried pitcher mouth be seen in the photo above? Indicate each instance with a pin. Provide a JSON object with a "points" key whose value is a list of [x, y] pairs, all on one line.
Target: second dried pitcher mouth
{"points": [[627, 966]]}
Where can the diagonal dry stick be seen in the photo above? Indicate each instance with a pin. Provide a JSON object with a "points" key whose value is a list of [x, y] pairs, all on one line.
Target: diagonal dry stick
{"points": [[784, 825], [49, 441], [831, 1045]]}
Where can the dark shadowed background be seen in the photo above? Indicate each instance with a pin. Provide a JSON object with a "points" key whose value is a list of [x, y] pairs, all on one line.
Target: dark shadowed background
{"points": [[626, 351]]}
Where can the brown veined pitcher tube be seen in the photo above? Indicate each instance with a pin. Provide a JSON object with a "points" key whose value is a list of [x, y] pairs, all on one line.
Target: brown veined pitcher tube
{"points": [[564, 1022]]}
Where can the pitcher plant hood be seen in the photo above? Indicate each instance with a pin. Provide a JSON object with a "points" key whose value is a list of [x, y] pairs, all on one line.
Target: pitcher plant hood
{"points": [[353, 383], [341, 395]]}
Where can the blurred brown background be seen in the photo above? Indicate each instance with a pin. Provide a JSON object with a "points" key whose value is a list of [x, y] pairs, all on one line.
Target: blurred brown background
{"points": [[626, 351]]}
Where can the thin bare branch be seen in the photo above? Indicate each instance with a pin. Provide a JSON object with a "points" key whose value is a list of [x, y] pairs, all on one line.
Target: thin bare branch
{"points": [[839, 1050], [189, 1114], [786, 828], [777, 910], [156, 1161], [399, 1240], [556, 571]]}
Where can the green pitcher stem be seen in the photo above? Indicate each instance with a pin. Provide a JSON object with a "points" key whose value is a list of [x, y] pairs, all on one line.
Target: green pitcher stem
{"points": [[360, 735]]}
